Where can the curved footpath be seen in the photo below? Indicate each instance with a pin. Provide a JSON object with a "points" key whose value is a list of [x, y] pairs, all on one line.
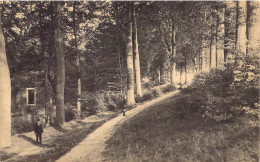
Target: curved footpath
{"points": [[90, 149]]}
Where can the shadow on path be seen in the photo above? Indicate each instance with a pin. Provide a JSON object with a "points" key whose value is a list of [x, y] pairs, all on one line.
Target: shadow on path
{"points": [[32, 141]]}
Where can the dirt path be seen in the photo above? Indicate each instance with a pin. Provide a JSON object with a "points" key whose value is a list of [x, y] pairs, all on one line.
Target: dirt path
{"points": [[90, 149]]}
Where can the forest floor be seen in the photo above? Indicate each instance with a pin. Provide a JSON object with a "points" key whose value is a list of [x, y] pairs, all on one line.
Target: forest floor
{"points": [[57, 142]]}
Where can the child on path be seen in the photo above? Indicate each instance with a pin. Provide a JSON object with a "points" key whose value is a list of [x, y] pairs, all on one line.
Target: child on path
{"points": [[38, 130]]}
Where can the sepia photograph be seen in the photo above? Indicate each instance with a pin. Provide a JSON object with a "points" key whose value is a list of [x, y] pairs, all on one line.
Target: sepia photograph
{"points": [[129, 81]]}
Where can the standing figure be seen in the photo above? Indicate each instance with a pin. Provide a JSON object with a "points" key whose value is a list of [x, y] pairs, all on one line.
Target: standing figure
{"points": [[38, 130], [124, 106]]}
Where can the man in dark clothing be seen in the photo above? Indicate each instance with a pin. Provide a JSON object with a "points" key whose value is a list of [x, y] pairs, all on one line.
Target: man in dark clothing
{"points": [[38, 130]]}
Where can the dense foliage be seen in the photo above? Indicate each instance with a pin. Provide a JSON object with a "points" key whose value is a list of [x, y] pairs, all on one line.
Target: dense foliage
{"points": [[224, 94]]}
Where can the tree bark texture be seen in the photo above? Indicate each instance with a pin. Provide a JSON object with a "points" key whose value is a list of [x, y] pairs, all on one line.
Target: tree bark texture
{"points": [[75, 28], [253, 26], [220, 38], [136, 56], [129, 59], [120, 70], [5, 94], [241, 26], [173, 60], [212, 61], [203, 60], [60, 82]]}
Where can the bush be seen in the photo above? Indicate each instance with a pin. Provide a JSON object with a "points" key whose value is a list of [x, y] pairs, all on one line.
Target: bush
{"points": [[89, 107], [224, 94], [155, 92], [138, 99], [168, 88], [21, 124], [146, 97], [209, 94], [70, 113], [111, 107], [147, 85], [101, 101]]}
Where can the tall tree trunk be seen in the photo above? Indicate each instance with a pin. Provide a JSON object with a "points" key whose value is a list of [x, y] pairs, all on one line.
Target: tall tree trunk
{"points": [[129, 59], [203, 56], [194, 64], [241, 26], [173, 74], [212, 48], [163, 74], [136, 56], [200, 59], [47, 86], [120, 71], [75, 28], [60, 83], [221, 35], [253, 26], [216, 41], [180, 75], [5, 94]]}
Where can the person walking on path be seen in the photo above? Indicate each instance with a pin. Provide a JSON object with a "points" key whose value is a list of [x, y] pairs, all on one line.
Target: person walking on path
{"points": [[38, 130]]}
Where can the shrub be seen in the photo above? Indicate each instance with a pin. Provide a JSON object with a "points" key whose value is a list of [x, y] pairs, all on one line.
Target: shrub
{"points": [[21, 124], [113, 100], [70, 113], [155, 92], [147, 85], [168, 88], [111, 107], [224, 94], [138, 99], [89, 107], [147, 96], [101, 101]]}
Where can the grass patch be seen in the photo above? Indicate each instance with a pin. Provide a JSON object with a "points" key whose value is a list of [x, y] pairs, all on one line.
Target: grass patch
{"points": [[161, 133]]}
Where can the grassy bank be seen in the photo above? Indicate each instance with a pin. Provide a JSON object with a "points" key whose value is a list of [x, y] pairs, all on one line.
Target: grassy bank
{"points": [[163, 134]]}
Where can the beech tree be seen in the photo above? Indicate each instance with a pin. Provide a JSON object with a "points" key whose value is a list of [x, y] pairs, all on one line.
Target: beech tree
{"points": [[75, 29], [136, 55], [5, 94], [129, 57], [241, 39], [253, 25], [220, 33], [60, 83]]}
